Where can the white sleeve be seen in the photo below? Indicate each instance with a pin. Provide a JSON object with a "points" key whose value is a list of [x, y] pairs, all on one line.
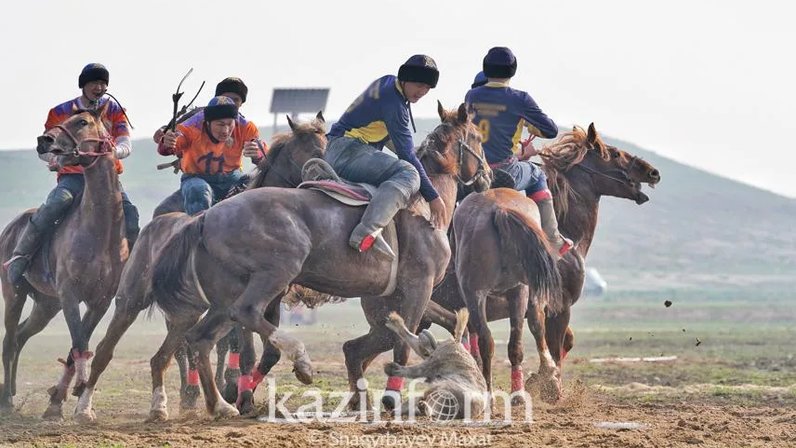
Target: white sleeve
{"points": [[123, 147]]}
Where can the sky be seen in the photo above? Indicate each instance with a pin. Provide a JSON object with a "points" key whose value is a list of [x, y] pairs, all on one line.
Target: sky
{"points": [[707, 83]]}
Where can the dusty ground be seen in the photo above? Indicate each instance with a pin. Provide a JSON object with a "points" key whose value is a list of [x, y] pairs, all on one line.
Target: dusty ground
{"points": [[735, 389]]}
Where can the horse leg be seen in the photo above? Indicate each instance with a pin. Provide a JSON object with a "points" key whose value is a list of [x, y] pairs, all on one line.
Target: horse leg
{"points": [[123, 316], [271, 356], [190, 393], [233, 371], [250, 308], [44, 309], [244, 392], [175, 337], [202, 338], [415, 299], [14, 303], [222, 347], [559, 336], [518, 303], [78, 353], [482, 342], [88, 324], [549, 377]]}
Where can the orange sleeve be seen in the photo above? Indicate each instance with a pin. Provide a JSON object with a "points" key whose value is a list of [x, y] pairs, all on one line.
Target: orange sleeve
{"points": [[53, 119]]}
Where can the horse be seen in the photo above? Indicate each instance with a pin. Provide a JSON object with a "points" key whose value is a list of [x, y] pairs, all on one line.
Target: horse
{"points": [[581, 169], [81, 262], [282, 172], [281, 167], [300, 236], [501, 249]]}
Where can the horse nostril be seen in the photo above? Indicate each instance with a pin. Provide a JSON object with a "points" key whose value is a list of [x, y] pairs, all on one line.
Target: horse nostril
{"points": [[655, 173], [44, 142]]}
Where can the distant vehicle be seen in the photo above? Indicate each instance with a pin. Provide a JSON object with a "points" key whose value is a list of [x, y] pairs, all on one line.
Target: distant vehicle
{"points": [[594, 285]]}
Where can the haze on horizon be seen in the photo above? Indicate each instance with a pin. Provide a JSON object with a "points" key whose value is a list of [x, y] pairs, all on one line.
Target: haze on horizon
{"points": [[708, 83]]}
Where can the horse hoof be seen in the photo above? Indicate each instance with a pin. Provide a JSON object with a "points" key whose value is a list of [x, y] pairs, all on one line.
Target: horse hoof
{"points": [[246, 403], [157, 416], [53, 413], [85, 418], [230, 392], [358, 402], [78, 389], [389, 401], [188, 398], [225, 410], [550, 391], [303, 371], [518, 399]]}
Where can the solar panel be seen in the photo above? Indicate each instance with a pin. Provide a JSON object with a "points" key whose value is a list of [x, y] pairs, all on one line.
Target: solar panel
{"points": [[298, 100]]}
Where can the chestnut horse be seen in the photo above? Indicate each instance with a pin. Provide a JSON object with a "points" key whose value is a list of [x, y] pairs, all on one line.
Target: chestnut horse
{"points": [[581, 169], [309, 232], [81, 262]]}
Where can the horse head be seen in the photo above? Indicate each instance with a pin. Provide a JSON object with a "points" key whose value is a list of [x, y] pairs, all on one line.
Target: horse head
{"points": [[454, 147], [584, 158], [289, 152], [84, 127]]}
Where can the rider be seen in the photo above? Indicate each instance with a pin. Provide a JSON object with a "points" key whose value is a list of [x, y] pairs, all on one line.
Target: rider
{"points": [[380, 114], [93, 81], [211, 146], [230, 87], [501, 113]]}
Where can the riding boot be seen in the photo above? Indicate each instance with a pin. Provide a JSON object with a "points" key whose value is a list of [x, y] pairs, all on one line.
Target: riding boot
{"points": [[382, 208], [131, 228], [26, 247], [550, 227]]}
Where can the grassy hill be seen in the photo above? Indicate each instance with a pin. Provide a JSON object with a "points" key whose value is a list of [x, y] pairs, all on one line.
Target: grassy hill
{"points": [[700, 235]]}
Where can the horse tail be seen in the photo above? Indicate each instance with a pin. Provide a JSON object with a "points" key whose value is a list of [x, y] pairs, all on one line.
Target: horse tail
{"points": [[521, 239], [172, 286]]}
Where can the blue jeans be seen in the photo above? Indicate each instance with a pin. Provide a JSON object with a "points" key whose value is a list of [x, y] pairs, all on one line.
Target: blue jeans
{"points": [[527, 176], [356, 161], [63, 195], [201, 191]]}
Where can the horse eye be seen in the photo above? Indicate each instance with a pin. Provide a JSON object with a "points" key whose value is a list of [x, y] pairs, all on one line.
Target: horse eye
{"points": [[83, 123]]}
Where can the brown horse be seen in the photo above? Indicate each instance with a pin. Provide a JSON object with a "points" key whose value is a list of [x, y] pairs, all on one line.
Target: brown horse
{"points": [[82, 261], [282, 168], [300, 236], [502, 250], [581, 169]]}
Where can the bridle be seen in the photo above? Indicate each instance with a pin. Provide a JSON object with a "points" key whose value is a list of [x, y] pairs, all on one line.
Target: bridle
{"points": [[623, 176], [105, 141], [461, 147]]}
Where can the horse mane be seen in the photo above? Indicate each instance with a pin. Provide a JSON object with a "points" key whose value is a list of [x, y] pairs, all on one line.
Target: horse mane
{"points": [[300, 132], [443, 137], [560, 156]]}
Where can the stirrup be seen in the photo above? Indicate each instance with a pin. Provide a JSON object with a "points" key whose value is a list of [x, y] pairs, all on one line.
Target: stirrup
{"points": [[376, 241]]}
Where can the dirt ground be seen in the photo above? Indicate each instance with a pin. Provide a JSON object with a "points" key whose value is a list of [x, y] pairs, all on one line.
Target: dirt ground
{"points": [[665, 424], [735, 389]]}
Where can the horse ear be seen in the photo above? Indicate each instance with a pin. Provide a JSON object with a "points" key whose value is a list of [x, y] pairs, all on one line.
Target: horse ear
{"points": [[591, 137], [103, 109], [440, 110], [319, 116], [74, 108], [290, 122], [462, 114]]}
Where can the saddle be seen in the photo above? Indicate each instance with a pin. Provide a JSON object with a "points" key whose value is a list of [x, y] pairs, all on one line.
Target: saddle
{"points": [[317, 174]]}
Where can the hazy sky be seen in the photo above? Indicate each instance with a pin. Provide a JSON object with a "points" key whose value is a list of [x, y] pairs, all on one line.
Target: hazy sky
{"points": [[708, 83]]}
